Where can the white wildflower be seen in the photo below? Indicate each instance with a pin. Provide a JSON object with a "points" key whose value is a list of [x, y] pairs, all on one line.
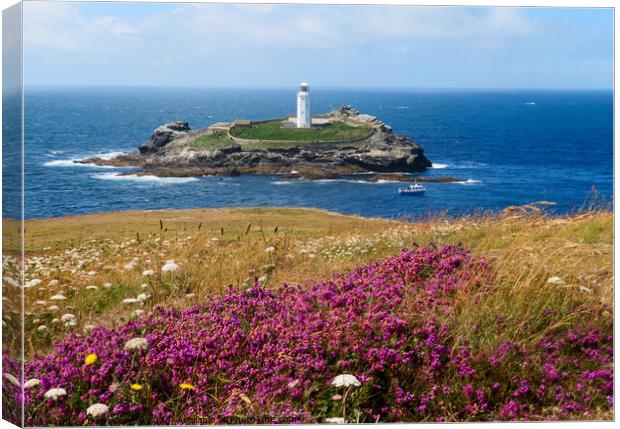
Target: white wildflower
{"points": [[11, 281], [345, 380], [336, 420], [40, 302], [107, 285], [144, 286], [97, 410], [66, 317], [130, 301], [59, 297], [89, 328], [137, 313], [169, 266], [55, 393], [33, 382], [555, 280], [33, 282], [55, 320], [270, 249], [128, 267], [143, 297], [42, 328], [91, 287], [11, 379], [585, 289], [137, 343], [53, 308], [147, 273]]}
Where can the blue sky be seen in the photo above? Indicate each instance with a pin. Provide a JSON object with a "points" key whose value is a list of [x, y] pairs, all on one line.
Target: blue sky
{"points": [[329, 46]]}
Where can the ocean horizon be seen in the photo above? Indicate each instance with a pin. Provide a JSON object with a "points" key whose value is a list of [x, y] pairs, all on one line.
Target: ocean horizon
{"points": [[510, 147]]}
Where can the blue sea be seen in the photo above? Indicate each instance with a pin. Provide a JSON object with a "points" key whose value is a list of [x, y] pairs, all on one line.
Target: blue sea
{"points": [[512, 147]]}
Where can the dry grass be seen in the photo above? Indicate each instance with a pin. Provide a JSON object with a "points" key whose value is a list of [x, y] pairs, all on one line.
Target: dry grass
{"points": [[215, 248]]}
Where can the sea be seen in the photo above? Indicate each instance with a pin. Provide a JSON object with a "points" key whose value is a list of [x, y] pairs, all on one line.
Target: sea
{"points": [[511, 147]]}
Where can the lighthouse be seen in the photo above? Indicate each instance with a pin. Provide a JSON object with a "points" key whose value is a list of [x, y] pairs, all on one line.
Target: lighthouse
{"points": [[304, 118]]}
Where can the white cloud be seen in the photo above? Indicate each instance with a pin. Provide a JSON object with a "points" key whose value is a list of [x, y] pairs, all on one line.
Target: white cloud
{"points": [[444, 23], [61, 26]]}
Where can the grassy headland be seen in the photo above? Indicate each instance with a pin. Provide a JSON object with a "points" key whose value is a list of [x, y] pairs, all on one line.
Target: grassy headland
{"points": [[543, 279]]}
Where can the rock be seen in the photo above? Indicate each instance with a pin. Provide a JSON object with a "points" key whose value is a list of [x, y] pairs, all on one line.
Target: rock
{"points": [[348, 110], [393, 177], [164, 135]]}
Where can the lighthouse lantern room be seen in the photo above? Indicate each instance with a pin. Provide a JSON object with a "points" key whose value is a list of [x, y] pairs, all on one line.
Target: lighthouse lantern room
{"points": [[304, 118]]}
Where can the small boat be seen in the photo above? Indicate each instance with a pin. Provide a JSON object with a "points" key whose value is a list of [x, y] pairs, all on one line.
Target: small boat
{"points": [[414, 189]]}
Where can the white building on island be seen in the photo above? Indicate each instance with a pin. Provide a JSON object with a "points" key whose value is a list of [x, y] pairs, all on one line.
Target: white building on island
{"points": [[304, 117]]}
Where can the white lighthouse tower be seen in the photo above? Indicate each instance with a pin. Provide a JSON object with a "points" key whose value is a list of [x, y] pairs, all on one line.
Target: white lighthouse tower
{"points": [[304, 118]]}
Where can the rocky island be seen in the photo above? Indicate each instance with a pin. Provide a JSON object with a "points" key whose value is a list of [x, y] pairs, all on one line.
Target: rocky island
{"points": [[343, 141]]}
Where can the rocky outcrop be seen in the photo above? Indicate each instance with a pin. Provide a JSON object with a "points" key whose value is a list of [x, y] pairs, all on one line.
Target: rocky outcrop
{"points": [[170, 153], [395, 177], [164, 135]]}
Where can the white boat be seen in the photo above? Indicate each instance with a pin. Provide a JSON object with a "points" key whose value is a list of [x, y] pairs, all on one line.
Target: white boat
{"points": [[413, 189]]}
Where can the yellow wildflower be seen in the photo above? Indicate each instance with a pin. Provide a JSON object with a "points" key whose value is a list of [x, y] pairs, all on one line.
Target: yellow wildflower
{"points": [[136, 387], [187, 386], [90, 359]]}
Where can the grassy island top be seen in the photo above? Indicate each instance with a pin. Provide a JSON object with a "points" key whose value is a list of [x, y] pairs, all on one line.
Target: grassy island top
{"points": [[272, 134], [214, 140], [273, 130]]}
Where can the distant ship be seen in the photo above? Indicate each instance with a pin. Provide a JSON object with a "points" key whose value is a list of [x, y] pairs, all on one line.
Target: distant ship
{"points": [[413, 189]]}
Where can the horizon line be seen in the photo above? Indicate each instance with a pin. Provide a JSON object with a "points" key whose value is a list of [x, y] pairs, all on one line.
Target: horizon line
{"points": [[327, 87]]}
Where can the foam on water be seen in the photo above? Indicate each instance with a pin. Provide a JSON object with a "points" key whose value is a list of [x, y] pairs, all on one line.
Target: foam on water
{"points": [[72, 162], [385, 181], [108, 155], [437, 166], [328, 181], [469, 182], [144, 179]]}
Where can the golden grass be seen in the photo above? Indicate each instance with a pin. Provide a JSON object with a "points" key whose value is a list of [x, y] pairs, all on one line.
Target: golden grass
{"points": [[215, 248]]}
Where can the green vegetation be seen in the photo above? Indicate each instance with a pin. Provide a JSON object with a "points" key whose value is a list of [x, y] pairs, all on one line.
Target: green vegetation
{"points": [[274, 131], [214, 140]]}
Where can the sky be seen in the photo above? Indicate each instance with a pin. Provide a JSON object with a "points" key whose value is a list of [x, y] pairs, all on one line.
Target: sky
{"points": [[257, 46]]}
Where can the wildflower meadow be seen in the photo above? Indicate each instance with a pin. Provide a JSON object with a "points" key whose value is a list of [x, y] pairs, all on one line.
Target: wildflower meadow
{"points": [[381, 322]]}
